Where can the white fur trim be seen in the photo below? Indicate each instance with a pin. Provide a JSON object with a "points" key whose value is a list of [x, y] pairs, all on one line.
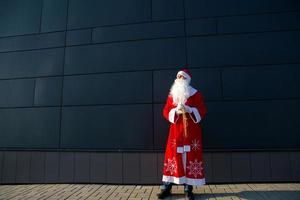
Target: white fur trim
{"points": [[172, 115], [179, 149], [192, 181], [185, 148], [197, 115], [185, 75], [183, 179], [192, 90], [184, 161]]}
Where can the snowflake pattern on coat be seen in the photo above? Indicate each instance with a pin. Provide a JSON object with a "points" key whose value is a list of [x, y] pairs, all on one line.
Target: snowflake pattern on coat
{"points": [[171, 166], [195, 168], [195, 145], [173, 143]]}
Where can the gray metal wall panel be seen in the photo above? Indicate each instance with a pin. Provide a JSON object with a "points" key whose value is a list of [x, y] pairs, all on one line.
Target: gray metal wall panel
{"points": [[241, 169], [99, 13], [212, 8], [98, 167], [16, 93], [161, 127], [121, 127], [144, 168], [245, 49], [160, 165], [111, 88], [148, 168], [260, 166], [32, 63], [29, 42], [78, 37], [66, 167], [114, 168], [281, 166], [54, 15], [251, 124], [82, 167], [259, 23], [37, 167], [137, 55], [52, 167], [138, 31], [24, 17], [1, 165], [131, 168], [251, 83], [23, 167], [208, 167], [295, 165], [167, 9], [30, 127], [196, 27], [9, 167], [48, 91], [222, 166]]}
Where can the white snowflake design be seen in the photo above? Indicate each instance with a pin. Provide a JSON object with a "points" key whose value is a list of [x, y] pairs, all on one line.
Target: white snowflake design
{"points": [[195, 145], [195, 168], [171, 165], [173, 143]]}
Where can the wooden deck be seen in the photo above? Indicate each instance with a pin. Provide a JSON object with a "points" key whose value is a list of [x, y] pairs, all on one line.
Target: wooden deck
{"points": [[278, 191]]}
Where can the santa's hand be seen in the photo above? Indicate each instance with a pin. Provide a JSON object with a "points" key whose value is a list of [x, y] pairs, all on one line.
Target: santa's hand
{"points": [[179, 108], [188, 109], [178, 111]]}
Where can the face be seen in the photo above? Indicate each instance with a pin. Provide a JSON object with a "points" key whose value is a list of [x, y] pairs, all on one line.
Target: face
{"points": [[180, 77]]}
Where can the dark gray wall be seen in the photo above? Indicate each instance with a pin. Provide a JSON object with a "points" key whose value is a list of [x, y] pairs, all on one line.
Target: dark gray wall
{"points": [[143, 167], [94, 74]]}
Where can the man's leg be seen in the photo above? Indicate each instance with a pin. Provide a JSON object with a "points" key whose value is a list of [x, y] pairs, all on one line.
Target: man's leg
{"points": [[188, 189], [165, 190], [166, 186]]}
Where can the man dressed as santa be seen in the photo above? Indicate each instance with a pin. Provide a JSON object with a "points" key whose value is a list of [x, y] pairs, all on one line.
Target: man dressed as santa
{"points": [[183, 163]]}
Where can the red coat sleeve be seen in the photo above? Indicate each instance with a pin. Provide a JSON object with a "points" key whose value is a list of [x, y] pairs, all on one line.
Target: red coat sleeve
{"points": [[167, 108]]}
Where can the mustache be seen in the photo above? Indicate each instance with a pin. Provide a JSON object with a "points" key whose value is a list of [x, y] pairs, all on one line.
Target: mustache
{"points": [[181, 82]]}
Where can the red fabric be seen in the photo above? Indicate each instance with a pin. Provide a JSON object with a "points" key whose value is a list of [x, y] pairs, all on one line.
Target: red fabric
{"points": [[177, 139], [187, 71]]}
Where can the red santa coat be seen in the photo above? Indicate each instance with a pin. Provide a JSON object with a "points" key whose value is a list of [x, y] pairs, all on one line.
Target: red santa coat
{"points": [[183, 162]]}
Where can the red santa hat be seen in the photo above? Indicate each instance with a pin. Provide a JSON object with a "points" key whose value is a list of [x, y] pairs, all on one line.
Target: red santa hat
{"points": [[186, 73]]}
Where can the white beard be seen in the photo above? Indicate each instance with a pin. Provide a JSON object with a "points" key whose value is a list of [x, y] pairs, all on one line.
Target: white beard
{"points": [[180, 91]]}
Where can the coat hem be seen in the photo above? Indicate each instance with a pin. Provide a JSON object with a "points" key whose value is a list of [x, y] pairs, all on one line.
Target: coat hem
{"points": [[184, 180]]}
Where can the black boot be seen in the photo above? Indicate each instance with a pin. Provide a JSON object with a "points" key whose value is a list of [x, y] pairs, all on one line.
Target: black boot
{"points": [[190, 195], [165, 190], [188, 189], [163, 194]]}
